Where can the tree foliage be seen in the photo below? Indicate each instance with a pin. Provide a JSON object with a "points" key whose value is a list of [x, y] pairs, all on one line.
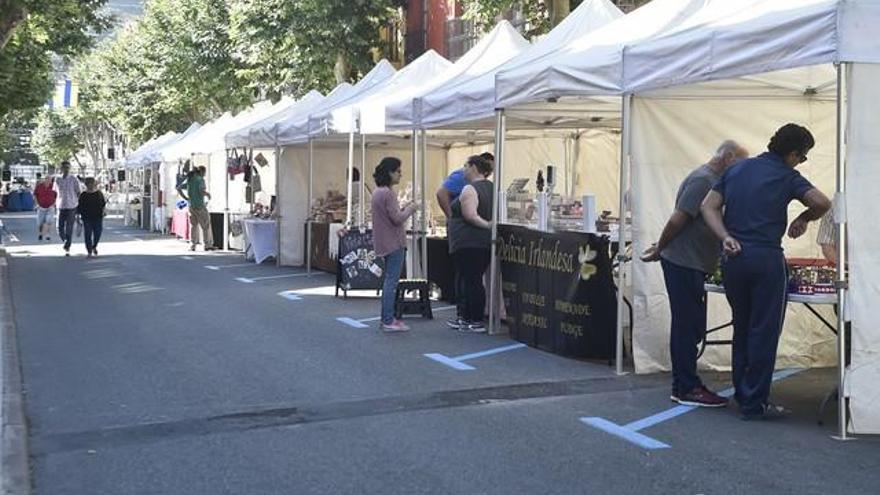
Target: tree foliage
{"points": [[291, 47], [31, 33], [486, 12], [55, 139]]}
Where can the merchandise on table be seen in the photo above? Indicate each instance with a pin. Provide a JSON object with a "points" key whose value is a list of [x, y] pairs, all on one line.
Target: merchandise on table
{"points": [[806, 276]]}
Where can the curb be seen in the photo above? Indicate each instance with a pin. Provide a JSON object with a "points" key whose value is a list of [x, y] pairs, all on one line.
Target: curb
{"points": [[15, 476]]}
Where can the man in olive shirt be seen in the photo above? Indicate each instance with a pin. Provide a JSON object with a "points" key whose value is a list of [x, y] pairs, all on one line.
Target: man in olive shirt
{"points": [[688, 251], [198, 211]]}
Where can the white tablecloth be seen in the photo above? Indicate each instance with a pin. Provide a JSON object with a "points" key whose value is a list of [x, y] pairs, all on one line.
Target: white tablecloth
{"points": [[261, 239]]}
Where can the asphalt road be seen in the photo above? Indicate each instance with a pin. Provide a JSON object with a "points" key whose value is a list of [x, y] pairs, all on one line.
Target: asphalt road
{"points": [[147, 373]]}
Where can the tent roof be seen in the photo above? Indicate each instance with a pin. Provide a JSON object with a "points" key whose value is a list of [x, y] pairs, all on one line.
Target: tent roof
{"points": [[396, 112], [737, 38], [181, 148], [591, 65], [428, 65], [253, 134], [469, 101], [149, 152], [296, 128]]}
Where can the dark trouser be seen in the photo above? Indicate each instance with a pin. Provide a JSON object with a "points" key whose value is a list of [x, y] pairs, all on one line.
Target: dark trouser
{"points": [[756, 283], [92, 228], [687, 303], [470, 263], [458, 288], [66, 219]]}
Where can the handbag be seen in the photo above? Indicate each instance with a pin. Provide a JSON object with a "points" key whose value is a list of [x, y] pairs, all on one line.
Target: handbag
{"points": [[78, 228], [256, 183]]}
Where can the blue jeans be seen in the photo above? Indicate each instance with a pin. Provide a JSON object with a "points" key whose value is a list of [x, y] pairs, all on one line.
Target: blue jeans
{"points": [[92, 229], [66, 219], [393, 266]]}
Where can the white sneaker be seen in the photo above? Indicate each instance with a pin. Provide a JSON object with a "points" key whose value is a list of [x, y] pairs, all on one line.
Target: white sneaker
{"points": [[395, 326]]}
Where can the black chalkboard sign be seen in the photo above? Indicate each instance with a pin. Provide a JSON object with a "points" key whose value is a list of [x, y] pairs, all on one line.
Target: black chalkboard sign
{"points": [[358, 266]]}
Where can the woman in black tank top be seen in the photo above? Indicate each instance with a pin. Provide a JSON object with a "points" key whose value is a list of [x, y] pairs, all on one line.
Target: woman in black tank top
{"points": [[470, 241]]}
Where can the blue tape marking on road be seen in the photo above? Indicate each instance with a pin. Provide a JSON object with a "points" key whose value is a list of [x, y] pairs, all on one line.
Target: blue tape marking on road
{"points": [[489, 352], [244, 280], [451, 362], [352, 322], [659, 417], [625, 433], [290, 295], [674, 412]]}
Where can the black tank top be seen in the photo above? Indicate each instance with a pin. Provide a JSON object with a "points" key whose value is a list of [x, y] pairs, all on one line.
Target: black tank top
{"points": [[462, 234]]}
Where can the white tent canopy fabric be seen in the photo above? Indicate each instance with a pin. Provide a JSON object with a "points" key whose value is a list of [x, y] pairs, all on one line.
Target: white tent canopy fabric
{"points": [[429, 65], [296, 129], [746, 37], [469, 100], [251, 134], [398, 113], [592, 64], [150, 152], [182, 148]]}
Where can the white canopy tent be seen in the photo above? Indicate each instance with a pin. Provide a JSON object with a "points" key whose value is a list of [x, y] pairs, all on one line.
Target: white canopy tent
{"points": [[396, 112], [292, 134], [752, 65], [583, 82], [468, 100], [260, 134]]}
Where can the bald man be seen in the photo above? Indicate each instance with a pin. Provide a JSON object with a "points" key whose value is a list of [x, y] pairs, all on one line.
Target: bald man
{"points": [[688, 251]]}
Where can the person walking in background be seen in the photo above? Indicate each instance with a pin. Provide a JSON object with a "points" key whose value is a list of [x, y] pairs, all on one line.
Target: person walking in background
{"points": [[389, 236], [91, 212], [68, 189], [748, 211], [688, 252], [199, 218], [46, 197], [470, 241]]}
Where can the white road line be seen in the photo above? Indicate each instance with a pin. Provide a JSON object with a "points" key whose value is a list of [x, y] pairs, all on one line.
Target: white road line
{"points": [[220, 267], [250, 280]]}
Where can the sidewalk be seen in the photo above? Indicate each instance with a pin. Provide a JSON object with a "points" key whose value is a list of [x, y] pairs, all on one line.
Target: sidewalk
{"points": [[14, 464]]}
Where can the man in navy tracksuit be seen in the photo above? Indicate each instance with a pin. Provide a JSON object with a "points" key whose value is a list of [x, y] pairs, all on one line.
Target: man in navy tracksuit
{"points": [[754, 196]]}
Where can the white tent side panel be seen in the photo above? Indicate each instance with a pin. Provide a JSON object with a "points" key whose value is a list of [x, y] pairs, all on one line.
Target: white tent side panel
{"points": [[862, 211], [593, 158], [330, 171], [671, 137]]}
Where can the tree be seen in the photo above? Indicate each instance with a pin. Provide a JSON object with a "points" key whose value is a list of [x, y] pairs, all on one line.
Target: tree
{"points": [[31, 32], [165, 71], [486, 12], [287, 47], [55, 138]]}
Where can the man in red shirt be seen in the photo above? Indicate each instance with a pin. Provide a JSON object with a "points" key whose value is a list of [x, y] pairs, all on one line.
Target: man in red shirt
{"points": [[45, 195]]}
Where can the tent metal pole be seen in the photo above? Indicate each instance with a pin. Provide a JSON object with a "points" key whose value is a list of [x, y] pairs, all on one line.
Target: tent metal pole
{"points": [[411, 244], [423, 229], [841, 257], [362, 214], [494, 304], [309, 208], [277, 202], [349, 179], [625, 162]]}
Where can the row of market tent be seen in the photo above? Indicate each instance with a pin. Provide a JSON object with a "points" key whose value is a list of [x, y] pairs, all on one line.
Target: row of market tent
{"points": [[635, 100]]}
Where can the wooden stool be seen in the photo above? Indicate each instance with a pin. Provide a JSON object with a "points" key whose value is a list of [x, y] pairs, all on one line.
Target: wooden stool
{"points": [[420, 305]]}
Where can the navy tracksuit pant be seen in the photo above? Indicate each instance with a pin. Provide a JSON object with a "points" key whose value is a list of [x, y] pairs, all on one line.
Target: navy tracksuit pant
{"points": [[756, 284], [687, 303]]}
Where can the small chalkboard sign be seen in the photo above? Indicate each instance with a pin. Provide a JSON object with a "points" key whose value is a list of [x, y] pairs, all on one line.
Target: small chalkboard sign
{"points": [[358, 266]]}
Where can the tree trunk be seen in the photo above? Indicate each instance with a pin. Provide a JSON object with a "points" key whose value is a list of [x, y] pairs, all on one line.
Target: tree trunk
{"points": [[559, 9], [11, 16], [342, 69]]}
